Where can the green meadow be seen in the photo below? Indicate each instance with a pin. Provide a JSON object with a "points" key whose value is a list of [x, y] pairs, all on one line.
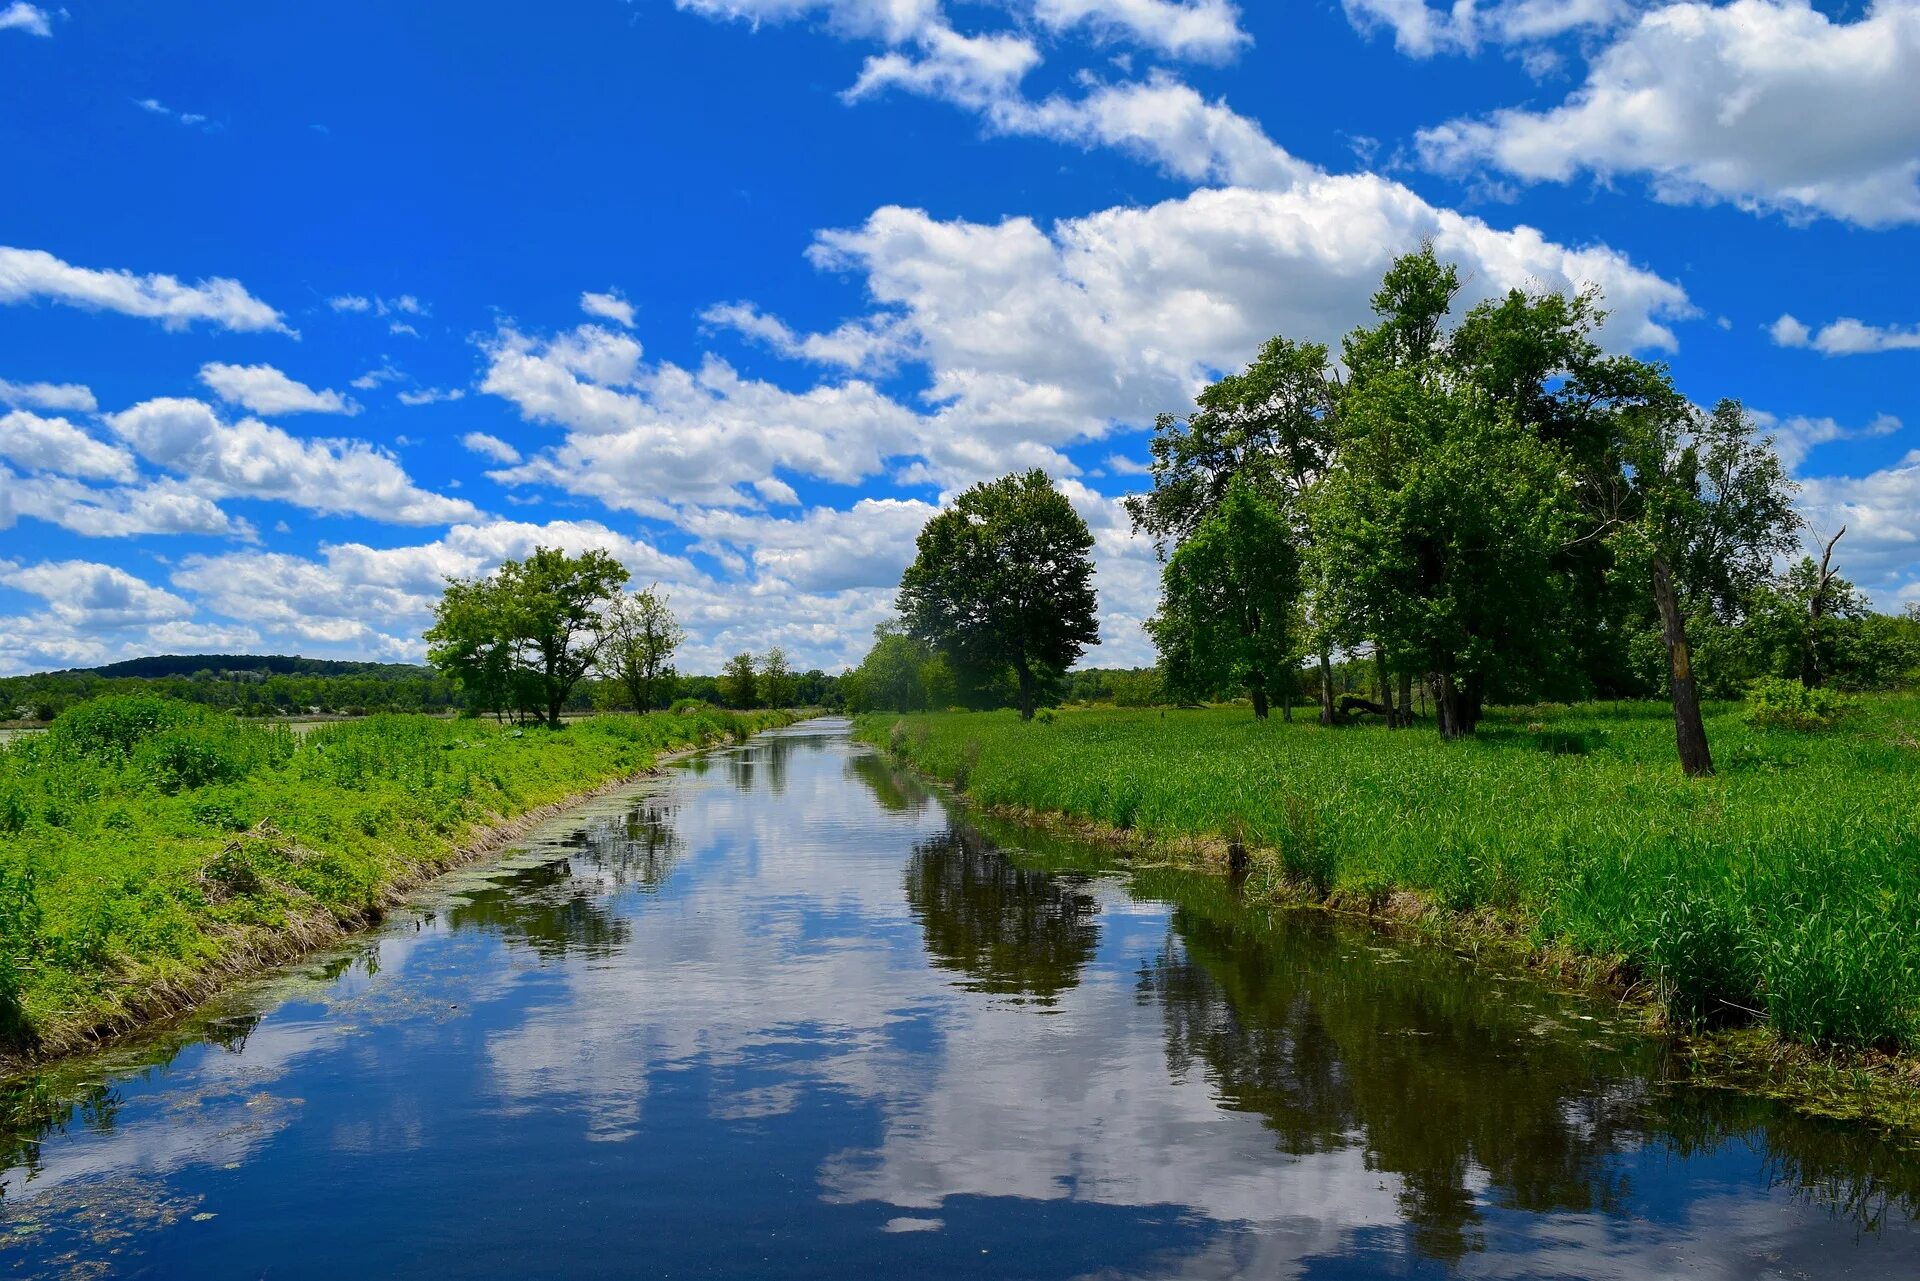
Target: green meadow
{"points": [[1784, 890], [149, 847]]}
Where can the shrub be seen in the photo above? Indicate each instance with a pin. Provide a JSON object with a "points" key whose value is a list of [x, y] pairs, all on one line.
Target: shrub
{"points": [[109, 729], [681, 706], [1773, 703], [191, 756]]}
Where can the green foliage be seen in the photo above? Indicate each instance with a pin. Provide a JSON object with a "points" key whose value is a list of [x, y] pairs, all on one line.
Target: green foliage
{"points": [[893, 675], [108, 730], [524, 636], [776, 679], [739, 684], [639, 635], [1004, 579], [251, 685], [1774, 703], [1230, 599], [1789, 884], [143, 841]]}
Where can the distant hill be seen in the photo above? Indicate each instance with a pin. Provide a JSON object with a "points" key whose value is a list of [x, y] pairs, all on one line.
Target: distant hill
{"points": [[251, 684], [162, 665]]}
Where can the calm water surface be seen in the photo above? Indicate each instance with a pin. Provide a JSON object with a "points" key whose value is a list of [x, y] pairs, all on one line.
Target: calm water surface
{"points": [[776, 1014]]}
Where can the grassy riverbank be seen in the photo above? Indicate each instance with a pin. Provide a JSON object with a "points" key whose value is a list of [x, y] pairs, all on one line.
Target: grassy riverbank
{"points": [[1784, 890], [152, 849]]}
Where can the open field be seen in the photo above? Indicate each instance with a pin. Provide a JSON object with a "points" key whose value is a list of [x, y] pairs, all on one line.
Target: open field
{"points": [[151, 848], [1784, 889]]}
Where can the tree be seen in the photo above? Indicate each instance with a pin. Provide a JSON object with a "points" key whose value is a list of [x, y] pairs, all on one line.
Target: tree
{"points": [[470, 641], [892, 677], [1230, 597], [738, 685], [1271, 425], [641, 635], [1827, 595], [554, 602], [1004, 579], [528, 632], [776, 678], [1438, 531], [1700, 506]]}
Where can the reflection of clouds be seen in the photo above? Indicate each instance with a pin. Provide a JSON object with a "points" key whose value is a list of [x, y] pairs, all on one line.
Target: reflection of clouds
{"points": [[785, 949], [217, 1112], [789, 950]]}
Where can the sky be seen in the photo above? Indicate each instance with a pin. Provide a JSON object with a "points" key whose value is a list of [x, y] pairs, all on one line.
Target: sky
{"points": [[304, 309]]}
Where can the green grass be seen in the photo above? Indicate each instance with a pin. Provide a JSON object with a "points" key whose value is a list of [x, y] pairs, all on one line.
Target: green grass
{"points": [[1786, 888], [148, 846]]}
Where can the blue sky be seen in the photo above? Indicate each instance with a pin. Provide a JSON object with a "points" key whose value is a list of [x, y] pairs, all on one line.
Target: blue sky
{"points": [[303, 308]]}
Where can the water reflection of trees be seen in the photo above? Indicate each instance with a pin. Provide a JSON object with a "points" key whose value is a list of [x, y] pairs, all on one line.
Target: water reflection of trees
{"points": [[1435, 1079], [561, 906], [1450, 1081], [762, 762], [1009, 930], [895, 792]]}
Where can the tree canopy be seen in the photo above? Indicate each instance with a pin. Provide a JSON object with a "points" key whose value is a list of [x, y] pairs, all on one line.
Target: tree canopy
{"points": [[523, 636], [1490, 504], [1004, 580]]}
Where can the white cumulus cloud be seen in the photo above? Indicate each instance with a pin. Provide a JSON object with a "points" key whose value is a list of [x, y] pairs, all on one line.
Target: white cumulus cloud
{"points": [[1768, 104], [608, 306], [21, 16], [265, 390], [492, 447], [56, 396], [28, 275], [252, 459], [1846, 336], [56, 445]]}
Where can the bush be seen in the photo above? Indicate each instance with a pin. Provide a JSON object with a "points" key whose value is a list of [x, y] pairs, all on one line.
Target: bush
{"points": [[193, 756], [682, 706], [1773, 703], [109, 729]]}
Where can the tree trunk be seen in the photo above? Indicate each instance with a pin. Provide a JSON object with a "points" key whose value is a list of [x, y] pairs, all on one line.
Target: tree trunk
{"points": [[1689, 731], [1406, 699], [1024, 674], [1326, 688], [1452, 707], [1816, 610], [1386, 686], [1257, 687], [1286, 698]]}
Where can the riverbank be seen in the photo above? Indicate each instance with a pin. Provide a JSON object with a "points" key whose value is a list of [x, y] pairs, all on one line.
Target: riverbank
{"points": [[153, 852], [1782, 895]]}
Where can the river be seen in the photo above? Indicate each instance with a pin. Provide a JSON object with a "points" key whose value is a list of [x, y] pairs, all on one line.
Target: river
{"points": [[776, 1013]]}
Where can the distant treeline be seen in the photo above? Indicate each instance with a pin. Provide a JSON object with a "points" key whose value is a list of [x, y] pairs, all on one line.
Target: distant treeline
{"points": [[277, 685]]}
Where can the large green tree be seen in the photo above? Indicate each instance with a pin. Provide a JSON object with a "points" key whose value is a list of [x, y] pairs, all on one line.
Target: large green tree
{"points": [[776, 678], [739, 685], [1272, 427], [1438, 530], [640, 637], [471, 642], [533, 627], [1004, 579], [1230, 600], [1698, 506]]}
